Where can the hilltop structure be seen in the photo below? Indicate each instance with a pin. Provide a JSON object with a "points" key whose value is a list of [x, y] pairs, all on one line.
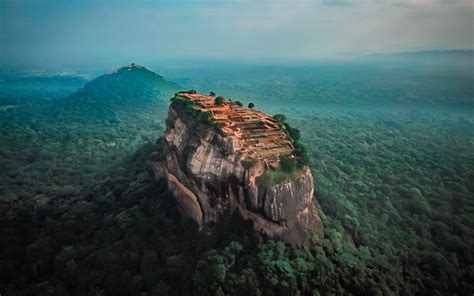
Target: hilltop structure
{"points": [[258, 135], [223, 159], [128, 68]]}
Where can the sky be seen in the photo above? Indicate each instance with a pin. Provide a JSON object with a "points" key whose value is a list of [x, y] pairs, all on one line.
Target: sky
{"points": [[84, 31]]}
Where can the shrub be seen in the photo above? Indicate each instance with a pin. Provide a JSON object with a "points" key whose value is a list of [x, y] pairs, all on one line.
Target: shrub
{"points": [[294, 133], [190, 91], [279, 117], [248, 163], [288, 165], [205, 117], [219, 101], [272, 177], [8, 197], [218, 129], [289, 168], [181, 102], [302, 154]]}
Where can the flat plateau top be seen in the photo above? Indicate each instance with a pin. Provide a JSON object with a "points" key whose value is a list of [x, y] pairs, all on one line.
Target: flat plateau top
{"points": [[260, 136]]}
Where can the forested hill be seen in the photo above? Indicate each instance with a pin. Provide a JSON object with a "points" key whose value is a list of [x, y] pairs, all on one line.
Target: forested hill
{"points": [[131, 94], [128, 85], [72, 140]]}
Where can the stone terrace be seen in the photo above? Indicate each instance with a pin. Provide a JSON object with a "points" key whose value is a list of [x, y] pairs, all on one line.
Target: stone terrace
{"points": [[259, 136]]}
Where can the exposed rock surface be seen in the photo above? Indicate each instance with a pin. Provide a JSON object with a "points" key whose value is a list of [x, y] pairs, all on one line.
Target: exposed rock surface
{"points": [[206, 174]]}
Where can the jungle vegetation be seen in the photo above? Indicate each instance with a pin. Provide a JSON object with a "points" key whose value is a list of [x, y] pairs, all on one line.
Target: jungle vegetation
{"points": [[82, 213]]}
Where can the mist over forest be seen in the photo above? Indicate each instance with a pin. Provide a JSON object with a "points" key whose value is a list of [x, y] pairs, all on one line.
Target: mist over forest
{"points": [[390, 147]]}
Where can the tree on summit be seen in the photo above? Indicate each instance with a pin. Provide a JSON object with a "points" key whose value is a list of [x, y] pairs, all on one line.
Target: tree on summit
{"points": [[279, 117], [219, 101]]}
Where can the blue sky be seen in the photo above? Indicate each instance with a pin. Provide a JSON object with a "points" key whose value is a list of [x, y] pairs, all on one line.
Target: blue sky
{"points": [[34, 31]]}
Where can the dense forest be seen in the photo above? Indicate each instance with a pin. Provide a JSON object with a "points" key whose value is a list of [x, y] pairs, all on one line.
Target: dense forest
{"points": [[82, 213]]}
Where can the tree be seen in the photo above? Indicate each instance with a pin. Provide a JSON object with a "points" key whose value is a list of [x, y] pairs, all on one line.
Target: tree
{"points": [[251, 105], [239, 103], [279, 117], [190, 91], [211, 270], [248, 163], [275, 268], [295, 133], [302, 154], [219, 101], [205, 117], [8, 196], [288, 165], [212, 94]]}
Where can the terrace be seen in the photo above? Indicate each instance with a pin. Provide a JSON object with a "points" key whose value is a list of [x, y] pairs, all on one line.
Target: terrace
{"points": [[259, 135]]}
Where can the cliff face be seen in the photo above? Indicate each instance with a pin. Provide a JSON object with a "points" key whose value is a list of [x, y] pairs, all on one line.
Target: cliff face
{"points": [[210, 180]]}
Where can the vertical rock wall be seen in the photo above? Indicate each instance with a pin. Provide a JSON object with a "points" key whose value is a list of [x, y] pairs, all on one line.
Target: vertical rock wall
{"points": [[209, 181]]}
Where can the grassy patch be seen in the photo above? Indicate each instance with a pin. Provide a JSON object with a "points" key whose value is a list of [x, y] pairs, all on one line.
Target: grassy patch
{"points": [[280, 175]]}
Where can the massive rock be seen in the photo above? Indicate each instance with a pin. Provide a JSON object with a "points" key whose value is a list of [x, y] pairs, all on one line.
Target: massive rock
{"points": [[210, 179]]}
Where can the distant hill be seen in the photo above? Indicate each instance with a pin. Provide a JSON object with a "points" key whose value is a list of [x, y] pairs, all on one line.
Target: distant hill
{"points": [[429, 53], [430, 56], [453, 63], [127, 85], [132, 95], [86, 131]]}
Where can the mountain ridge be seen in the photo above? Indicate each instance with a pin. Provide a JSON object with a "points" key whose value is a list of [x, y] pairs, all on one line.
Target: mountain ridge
{"points": [[452, 53]]}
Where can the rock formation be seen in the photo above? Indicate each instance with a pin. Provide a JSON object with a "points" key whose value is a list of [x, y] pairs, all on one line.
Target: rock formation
{"points": [[214, 169]]}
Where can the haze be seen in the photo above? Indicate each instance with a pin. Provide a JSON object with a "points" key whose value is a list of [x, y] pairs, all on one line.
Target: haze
{"points": [[74, 32]]}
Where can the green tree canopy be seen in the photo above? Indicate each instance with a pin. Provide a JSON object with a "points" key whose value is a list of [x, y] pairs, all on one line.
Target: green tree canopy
{"points": [[219, 101]]}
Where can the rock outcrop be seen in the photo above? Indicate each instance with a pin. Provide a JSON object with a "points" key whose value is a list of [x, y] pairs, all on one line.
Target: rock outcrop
{"points": [[211, 178]]}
